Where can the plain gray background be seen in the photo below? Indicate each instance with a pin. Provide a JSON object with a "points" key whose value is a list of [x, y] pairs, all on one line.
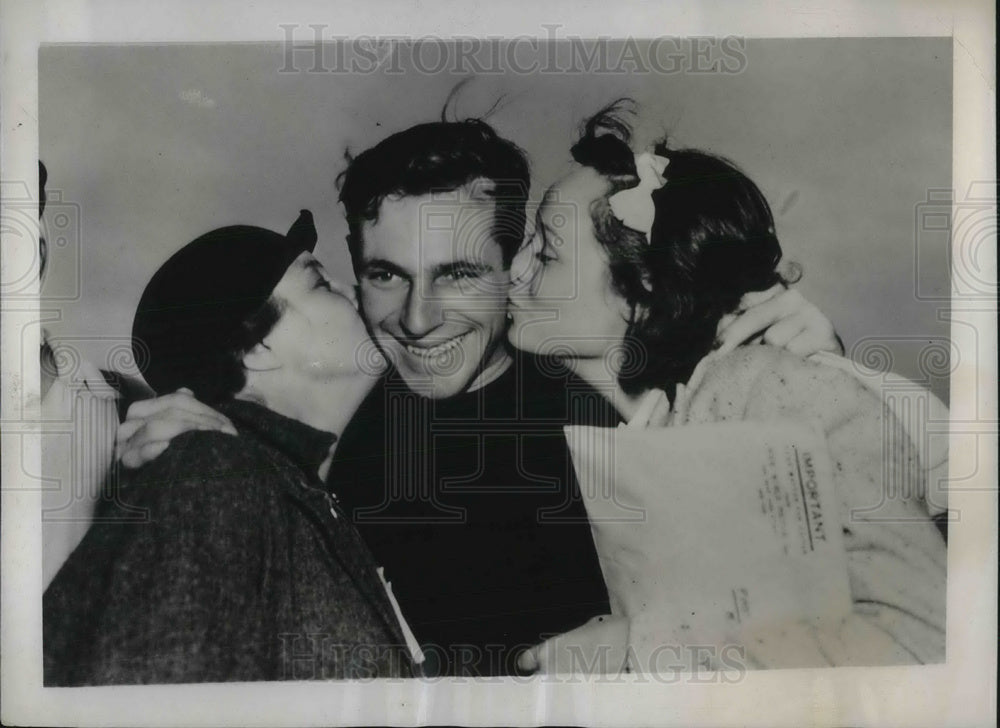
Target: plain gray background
{"points": [[149, 146]]}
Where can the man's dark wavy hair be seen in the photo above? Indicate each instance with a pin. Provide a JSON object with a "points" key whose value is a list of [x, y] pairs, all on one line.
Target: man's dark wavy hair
{"points": [[436, 157], [712, 241]]}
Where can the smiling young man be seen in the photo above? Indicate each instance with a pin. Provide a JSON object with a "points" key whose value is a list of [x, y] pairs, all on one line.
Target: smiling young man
{"points": [[455, 468], [437, 307]]}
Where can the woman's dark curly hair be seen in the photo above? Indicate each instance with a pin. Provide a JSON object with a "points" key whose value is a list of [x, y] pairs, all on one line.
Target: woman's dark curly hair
{"points": [[711, 242]]}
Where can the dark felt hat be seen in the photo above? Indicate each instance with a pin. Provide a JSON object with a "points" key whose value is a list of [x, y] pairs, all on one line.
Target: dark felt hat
{"points": [[196, 302]]}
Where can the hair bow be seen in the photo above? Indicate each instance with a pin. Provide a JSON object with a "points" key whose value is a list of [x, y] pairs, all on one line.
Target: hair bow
{"points": [[634, 206]]}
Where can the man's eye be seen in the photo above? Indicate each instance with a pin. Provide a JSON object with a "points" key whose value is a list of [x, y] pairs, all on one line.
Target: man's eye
{"points": [[382, 277], [324, 284], [544, 258]]}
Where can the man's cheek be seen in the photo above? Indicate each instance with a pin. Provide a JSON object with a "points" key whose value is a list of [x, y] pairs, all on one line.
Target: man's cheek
{"points": [[375, 306], [490, 297]]}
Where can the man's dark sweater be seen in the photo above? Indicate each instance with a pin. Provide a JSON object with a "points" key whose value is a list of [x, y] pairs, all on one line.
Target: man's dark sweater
{"points": [[239, 568], [471, 505]]}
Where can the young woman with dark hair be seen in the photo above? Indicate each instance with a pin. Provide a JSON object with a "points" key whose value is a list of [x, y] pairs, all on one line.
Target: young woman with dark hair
{"points": [[664, 246]]}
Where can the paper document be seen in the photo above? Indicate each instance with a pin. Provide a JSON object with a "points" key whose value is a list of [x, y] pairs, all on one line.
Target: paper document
{"points": [[708, 533]]}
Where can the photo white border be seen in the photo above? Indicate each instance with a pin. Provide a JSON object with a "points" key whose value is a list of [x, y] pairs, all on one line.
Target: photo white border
{"points": [[962, 692]]}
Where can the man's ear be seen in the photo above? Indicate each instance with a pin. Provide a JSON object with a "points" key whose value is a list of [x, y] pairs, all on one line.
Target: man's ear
{"points": [[261, 359]]}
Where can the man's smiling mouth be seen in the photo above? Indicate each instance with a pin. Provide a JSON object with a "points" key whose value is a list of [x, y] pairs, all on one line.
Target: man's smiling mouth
{"points": [[430, 352]]}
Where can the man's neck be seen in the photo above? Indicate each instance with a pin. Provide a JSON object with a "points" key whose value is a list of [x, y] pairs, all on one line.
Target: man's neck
{"points": [[500, 361]]}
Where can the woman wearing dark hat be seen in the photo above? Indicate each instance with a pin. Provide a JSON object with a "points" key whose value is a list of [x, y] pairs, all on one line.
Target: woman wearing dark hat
{"points": [[243, 567]]}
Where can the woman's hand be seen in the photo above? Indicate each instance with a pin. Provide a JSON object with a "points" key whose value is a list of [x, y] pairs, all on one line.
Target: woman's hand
{"points": [[151, 424], [781, 317], [599, 647]]}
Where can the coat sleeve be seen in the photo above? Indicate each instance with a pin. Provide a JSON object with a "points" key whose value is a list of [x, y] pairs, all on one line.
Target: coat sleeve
{"points": [[180, 595], [920, 413], [896, 556]]}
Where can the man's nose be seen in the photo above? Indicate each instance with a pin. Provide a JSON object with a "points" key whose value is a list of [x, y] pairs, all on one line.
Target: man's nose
{"points": [[421, 314]]}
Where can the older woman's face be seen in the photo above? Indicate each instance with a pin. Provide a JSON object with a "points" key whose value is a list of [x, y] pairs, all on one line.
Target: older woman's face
{"points": [[563, 303], [320, 332]]}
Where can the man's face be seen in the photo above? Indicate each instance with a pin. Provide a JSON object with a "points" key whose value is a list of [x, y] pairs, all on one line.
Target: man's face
{"points": [[433, 289]]}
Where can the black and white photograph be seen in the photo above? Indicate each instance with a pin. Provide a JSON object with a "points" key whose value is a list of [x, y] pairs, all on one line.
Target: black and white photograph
{"points": [[649, 366]]}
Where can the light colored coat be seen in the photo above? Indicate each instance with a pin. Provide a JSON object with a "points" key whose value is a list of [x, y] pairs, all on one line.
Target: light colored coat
{"points": [[896, 556]]}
